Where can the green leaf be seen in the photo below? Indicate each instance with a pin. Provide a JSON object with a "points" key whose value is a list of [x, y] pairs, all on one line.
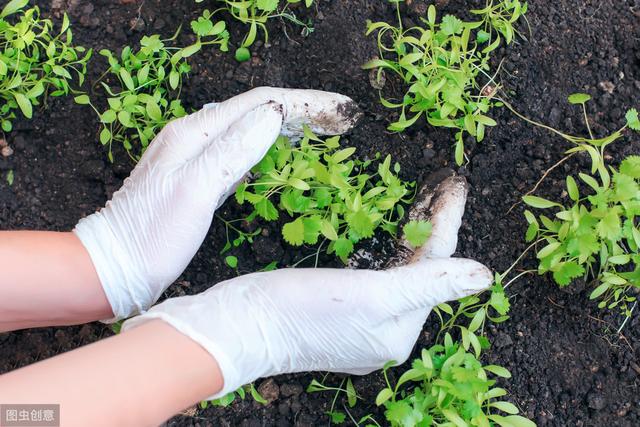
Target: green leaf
{"points": [[499, 302], [539, 202], [243, 54], [231, 261], [154, 111], [24, 104], [105, 136], [126, 79], [579, 98], [293, 232], [417, 232], [451, 25], [351, 394], [572, 189], [10, 177], [328, 230], [631, 166], [609, 226], [266, 209], [343, 247], [361, 223], [12, 7], [82, 100], [498, 370], [384, 395], [567, 272], [632, 119]]}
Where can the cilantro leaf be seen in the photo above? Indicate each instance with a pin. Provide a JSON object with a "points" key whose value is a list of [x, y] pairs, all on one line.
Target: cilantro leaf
{"points": [[499, 301], [632, 119], [451, 25], [266, 210], [631, 166], [417, 232], [567, 272], [343, 247], [361, 223], [293, 232]]}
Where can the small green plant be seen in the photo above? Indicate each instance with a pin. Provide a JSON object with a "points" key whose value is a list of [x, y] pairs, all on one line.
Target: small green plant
{"points": [[441, 63], [325, 193], [256, 13], [499, 18], [143, 87], [35, 61], [596, 236], [448, 386], [229, 398]]}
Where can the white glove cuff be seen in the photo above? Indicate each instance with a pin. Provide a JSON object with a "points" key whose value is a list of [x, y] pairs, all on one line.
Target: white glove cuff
{"points": [[110, 264], [231, 376]]}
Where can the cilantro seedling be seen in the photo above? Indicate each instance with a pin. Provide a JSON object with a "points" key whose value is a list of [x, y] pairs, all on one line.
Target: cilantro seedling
{"points": [[448, 386], [440, 63], [229, 398], [143, 86], [345, 388], [35, 61], [256, 14], [323, 193], [596, 236], [499, 18]]}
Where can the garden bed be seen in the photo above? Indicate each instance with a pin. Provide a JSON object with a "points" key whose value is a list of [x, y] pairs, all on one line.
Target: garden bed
{"points": [[569, 365]]}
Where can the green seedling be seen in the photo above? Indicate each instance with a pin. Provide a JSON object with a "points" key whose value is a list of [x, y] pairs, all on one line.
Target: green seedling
{"points": [[143, 87], [499, 18], [345, 388], [35, 61], [229, 398], [256, 14], [596, 236], [448, 386], [325, 194], [440, 63]]}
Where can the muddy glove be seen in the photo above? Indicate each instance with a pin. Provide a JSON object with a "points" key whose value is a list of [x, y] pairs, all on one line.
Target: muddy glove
{"points": [[351, 321], [144, 238]]}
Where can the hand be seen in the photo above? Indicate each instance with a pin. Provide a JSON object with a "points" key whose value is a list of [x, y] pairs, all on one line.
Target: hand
{"points": [[351, 321], [144, 238]]}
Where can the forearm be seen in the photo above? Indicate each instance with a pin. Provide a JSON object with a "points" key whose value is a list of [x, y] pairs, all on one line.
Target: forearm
{"points": [[47, 279], [115, 383]]}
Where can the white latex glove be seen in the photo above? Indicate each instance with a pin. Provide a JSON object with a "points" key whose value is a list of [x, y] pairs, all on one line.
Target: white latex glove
{"points": [[351, 321], [148, 233]]}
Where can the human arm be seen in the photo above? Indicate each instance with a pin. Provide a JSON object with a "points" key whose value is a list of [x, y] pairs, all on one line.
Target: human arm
{"points": [[130, 251]]}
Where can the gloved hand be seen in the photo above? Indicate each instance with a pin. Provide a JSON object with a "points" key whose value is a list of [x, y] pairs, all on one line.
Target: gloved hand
{"points": [[351, 321], [144, 238]]}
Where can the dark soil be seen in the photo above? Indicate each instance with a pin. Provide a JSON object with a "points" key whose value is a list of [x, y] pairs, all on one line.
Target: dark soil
{"points": [[569, 366]]}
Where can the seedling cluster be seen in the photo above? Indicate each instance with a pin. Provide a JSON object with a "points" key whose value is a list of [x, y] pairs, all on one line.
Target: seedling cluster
{"points": [[36, 61], [256, 14], [449, 386], [143, 86], [327, 194], [441, 62], [596, 236]]}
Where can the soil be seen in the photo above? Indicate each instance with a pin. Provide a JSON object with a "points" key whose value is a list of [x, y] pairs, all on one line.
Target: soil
{"points": [[569, 366]]}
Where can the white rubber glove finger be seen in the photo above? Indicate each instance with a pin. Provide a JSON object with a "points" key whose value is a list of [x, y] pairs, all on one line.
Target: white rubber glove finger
{"points": [[287, 321], [446, 211], [244, 144], [326, 113], [430, 282]]}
